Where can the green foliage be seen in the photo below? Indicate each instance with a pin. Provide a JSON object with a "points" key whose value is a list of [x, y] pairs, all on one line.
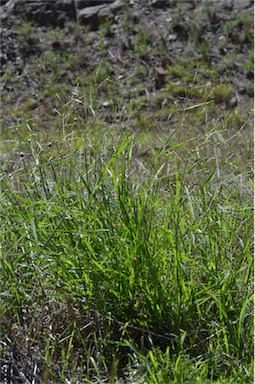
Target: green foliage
{"points": [[142, 44], [54, 62], [101, 45], [101, 74], [160, 269], [242, 21], [8, 76], [107, 27], [162, 50], [29, 33], [249, 65], [223, 93], [239, 30]]}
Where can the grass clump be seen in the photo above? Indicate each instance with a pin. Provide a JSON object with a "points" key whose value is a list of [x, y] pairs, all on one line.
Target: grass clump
{"points": [[222, 93], [121, 269]]}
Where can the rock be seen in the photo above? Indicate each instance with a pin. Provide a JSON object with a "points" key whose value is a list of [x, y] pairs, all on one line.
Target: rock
{"points": [[242, 4], [8, 6], [44, 12], [80, 4], [250, 75], [94, 15], [233, 102], [159, 3], [160, 77], [106, 104], [3, 15], [3, 58], [57, 12], [90, 16], [231, 4]]}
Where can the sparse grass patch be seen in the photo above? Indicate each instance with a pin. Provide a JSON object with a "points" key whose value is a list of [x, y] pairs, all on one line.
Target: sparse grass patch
{"points": [[54, 92], [223, 93], [53, 62], [101, 74], [249, 65], [142, 44], [28, 32], [8, 76], [242, 22]]}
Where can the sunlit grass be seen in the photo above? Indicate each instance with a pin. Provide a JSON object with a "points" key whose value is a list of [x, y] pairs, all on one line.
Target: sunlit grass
{"points": [[118, 266]]}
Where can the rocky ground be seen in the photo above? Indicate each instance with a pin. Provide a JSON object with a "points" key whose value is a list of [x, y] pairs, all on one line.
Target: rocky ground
{"points": [[155, 56], [155, 45]]}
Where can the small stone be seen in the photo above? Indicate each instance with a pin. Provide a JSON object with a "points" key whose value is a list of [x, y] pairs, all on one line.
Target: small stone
{"points": [[159, 3], [160, 71], [250, 75], [160, 74], [172, 37], [242, 4], [3, 58], [106, 104], [233, 102]]}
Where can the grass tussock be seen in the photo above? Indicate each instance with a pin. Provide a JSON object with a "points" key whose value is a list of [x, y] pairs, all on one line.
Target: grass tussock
{"points": [[120, 269]]}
